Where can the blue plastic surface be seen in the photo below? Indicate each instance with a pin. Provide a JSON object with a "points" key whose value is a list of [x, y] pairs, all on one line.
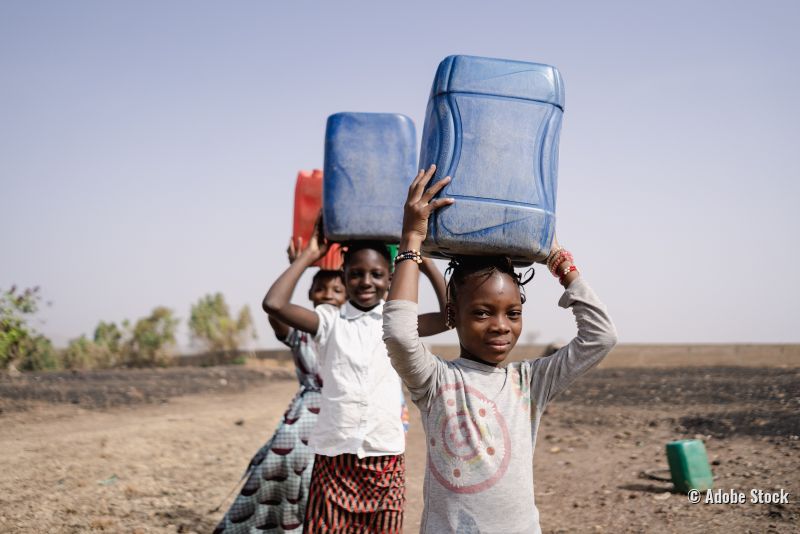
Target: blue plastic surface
{"points": [[493, 125], [370, 160]]}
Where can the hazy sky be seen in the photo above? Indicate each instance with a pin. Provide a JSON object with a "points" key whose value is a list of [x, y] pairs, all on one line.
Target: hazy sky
{"points": [[148, 150]]}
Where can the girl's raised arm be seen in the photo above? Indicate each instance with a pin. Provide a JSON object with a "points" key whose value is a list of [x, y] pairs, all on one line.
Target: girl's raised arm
{"points": [[282, 329], [418, 208], [277, 301], [401, 325]]}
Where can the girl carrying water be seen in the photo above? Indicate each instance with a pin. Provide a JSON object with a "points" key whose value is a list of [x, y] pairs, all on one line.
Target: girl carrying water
{"points": [[358, 482], [480, 419], [275, 494]]}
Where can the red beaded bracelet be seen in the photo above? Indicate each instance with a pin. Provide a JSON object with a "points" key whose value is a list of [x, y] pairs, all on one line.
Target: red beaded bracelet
{"points": [[562, 256], [566, 271]]}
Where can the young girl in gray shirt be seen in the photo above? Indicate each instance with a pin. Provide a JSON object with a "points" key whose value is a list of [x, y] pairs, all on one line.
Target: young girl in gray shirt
{"points": [[480, 419]]}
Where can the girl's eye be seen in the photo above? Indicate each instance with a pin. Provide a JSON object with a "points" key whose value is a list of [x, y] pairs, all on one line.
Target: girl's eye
{"points": [[377, 274], [480, 313], [514, 314]]}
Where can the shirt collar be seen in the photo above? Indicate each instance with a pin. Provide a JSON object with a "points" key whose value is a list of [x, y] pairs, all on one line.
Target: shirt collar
{"points": [[478, 366], [350, 312]]}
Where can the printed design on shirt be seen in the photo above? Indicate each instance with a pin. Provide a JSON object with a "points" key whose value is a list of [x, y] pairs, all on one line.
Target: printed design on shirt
{"points": [[469, 445], [521, 387]]}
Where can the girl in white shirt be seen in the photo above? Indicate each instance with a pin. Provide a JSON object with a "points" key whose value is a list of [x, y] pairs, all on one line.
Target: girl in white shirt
{"points": [[358, 482]]}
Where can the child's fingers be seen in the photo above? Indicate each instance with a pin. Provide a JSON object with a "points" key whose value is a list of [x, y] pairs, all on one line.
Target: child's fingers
{"points": [[418, 185], [416, 179], [441, 202], [435, 188], [428, 175], [414, 187]]}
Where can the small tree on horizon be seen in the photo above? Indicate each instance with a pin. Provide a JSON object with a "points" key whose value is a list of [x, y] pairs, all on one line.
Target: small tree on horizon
{"points": [[21, 346], [211, 324], [152, 339], [109, 336]]}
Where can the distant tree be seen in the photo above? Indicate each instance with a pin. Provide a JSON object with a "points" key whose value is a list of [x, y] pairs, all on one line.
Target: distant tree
{"points": [[20, 345], [211, 324], [109, 337], [39, 355], [83, 353], [152, 340], [105, 351]]}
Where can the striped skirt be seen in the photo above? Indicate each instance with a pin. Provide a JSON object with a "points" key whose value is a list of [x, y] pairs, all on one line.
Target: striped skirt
{"points": [[352, 495]]}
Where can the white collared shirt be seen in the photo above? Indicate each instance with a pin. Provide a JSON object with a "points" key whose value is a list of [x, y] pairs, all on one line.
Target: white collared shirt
{"points": [[361, 392]]}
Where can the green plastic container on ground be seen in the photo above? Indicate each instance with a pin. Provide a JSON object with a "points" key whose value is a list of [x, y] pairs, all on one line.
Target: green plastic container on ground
{"points": [[688, 465]]}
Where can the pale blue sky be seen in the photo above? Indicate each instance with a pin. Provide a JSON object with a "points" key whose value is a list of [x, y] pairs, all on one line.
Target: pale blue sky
{"points": [[148, 150]]}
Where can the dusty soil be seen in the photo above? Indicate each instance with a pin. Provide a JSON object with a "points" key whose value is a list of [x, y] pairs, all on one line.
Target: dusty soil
{"points": [[158, 451]]}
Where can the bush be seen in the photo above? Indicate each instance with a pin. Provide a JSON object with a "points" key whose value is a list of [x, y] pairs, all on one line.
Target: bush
{"points": [[83, 353], [152, 340], [39, 356], [211, 324], [109, 336], [20, 345]]}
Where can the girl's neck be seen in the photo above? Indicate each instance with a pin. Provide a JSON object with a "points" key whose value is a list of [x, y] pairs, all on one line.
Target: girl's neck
{"points": [[468, 356]]}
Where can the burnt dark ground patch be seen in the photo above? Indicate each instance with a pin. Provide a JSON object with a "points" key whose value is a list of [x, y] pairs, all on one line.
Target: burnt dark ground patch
{"points": [[110, 388]]}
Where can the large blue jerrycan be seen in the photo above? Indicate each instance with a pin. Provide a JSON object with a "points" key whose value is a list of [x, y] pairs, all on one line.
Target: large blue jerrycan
{"points": [[370, 160], [493, 125]]}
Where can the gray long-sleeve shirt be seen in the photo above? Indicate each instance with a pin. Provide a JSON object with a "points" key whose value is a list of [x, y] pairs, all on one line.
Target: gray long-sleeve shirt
{"points": [[481, 421]]}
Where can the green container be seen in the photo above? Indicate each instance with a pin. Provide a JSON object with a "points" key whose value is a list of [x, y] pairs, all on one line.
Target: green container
{"points": [[393, 254], [688, 465]]}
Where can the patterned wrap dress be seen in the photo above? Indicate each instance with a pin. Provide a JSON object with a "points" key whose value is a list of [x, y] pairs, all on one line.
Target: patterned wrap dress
{"points": [[274, 497]]}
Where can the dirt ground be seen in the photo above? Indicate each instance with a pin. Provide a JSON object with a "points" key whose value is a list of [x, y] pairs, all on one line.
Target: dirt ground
{"points": [[158, 451]]}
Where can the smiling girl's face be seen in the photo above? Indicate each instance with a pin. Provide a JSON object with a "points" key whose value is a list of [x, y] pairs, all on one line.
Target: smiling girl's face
{"points": [[488, 317], [366, 275], [328, 290]]}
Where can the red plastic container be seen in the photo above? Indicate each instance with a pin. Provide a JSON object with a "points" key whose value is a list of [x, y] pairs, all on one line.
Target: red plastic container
{"points": [[307, 206]]}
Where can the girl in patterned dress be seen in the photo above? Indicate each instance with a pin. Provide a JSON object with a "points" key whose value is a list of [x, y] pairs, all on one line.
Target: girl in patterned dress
{"points": [[275, 495]]}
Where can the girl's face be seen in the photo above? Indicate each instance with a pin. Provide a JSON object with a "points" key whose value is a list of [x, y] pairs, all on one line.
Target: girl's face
{"points": [[366, 276], [330, 291], [488, 317]]}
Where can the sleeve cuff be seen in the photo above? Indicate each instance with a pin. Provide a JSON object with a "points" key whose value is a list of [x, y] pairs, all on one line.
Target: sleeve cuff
{"points": [[577, 288], [401, 306]]}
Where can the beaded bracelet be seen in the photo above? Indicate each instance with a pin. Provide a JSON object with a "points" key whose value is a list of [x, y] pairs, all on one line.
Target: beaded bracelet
{"points": [[565, 272], [561, 256], [552, 259], [412, 254]]}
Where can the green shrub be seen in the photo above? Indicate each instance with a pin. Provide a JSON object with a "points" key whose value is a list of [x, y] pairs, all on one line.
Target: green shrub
{"points": [[152, 340], [20, 345], [211, 324]]}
